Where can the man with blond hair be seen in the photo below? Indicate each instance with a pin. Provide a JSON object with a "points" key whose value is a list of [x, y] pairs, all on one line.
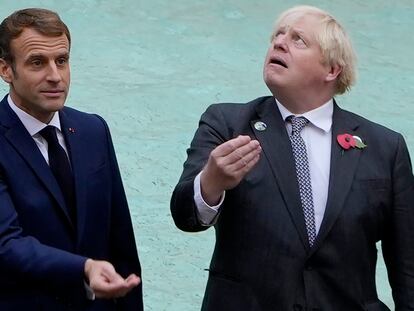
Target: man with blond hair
{"points": [[299, 190], [66, 237]]}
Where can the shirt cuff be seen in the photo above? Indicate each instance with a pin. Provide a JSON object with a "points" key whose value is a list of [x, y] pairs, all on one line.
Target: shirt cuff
{"points": [[207, 215], [90, 294]]}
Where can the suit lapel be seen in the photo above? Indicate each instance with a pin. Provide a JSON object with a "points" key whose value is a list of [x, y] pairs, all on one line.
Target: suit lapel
{"points": [[24, 144], [276, 147], [72, 133], [343, 167]]}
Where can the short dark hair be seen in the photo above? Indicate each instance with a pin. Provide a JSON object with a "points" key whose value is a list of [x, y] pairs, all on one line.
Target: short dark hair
{"points": [[43, 21]]}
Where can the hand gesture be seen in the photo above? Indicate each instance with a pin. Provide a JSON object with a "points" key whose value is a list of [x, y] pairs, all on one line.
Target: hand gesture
{"points": [[227, 165], [106, 282]]}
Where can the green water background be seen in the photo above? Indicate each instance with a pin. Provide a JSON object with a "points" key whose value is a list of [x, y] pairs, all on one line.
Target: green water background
{"points": [[151, 67]]}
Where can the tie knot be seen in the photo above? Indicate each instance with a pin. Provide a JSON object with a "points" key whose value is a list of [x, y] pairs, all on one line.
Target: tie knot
{"points": [[298, 123], [49, 133]]}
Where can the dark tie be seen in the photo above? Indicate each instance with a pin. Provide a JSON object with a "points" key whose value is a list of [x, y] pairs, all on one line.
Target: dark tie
{"points": [[303, 174], [59, 164]]}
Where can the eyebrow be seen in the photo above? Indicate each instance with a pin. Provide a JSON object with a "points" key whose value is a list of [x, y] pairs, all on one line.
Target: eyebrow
{"points": [[282, 28], [66, 55], [34, 56], [38, 55], [301, 33], [290, 27]]}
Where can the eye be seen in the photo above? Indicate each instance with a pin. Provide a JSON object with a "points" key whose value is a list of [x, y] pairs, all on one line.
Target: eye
{"points": [[61, 61], [278, 33], [299, 41], [36, 62]]}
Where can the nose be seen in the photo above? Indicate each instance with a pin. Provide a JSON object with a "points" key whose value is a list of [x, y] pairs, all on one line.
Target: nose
{"points": [[53, 74], [280, 42]]}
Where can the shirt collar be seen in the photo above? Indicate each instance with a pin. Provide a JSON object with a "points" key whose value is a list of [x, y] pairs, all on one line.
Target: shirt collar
{"points": [[32, 125], [320, 117]]}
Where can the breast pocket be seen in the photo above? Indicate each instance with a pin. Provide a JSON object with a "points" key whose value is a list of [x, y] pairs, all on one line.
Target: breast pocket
{"points": [[377, 191], [369, 205]]}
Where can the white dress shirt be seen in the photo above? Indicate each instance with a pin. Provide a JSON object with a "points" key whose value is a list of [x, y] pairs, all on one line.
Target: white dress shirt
{"points": [[34, 126], [318, 137]]}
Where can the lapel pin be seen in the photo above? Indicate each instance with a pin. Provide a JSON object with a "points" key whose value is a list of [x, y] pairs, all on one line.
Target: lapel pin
{"points": [[71, 129], [260, 126]]}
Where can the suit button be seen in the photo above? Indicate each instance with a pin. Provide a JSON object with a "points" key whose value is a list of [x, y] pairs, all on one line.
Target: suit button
{"points": [[297, 307]]}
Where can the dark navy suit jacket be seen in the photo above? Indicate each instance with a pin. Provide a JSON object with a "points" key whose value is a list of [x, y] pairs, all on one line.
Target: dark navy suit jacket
{"points": [[42, 252], [262, 260]]}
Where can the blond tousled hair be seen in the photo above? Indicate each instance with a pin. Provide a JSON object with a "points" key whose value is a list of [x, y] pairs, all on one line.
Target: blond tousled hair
{"points": [[336, 46]]}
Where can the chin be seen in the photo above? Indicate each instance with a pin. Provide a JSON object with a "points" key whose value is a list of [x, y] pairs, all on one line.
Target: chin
{"points": [[273, 83], [55, 106]]}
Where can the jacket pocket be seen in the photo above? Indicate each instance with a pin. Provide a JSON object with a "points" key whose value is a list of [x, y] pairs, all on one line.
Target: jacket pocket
{"points": [[228, 294]]}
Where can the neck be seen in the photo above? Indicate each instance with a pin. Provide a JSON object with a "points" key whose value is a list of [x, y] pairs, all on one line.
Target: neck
{"points": [[298, 103], [41, 115]]}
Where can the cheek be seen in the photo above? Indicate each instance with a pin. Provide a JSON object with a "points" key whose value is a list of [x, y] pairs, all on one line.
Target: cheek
{"points": [[26, 83], [312, 67], [268, 53], [67, 76]]}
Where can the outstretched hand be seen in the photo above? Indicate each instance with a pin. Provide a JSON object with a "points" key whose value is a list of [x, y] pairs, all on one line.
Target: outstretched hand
{"points": [[106, 282]]}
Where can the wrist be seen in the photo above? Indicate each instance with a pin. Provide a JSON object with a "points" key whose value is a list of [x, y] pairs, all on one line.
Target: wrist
{"points": [[87, 269]]}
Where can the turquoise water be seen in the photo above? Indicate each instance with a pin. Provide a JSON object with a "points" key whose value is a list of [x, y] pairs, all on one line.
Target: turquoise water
{"points": [[151, 67]]}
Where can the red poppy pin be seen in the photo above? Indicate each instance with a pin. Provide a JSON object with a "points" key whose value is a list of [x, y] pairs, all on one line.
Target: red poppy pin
{"points": [[347, 141]]}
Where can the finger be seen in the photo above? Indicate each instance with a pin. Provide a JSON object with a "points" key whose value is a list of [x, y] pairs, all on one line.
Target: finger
{"points": [[240, 153], [244, 162], [246, 167], [231, 145], [116, 286], [133, 280], [240, 157], [242, 166], [109, 273], [106, 281], [249, 166], [129, 283], [110, 289]]}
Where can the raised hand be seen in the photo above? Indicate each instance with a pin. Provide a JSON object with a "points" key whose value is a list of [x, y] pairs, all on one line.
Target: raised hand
{"points": [[227, 165]]}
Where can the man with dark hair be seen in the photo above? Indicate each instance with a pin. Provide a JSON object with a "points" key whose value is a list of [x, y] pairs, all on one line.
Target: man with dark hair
{"points": [[66, 237], [299, 190]]}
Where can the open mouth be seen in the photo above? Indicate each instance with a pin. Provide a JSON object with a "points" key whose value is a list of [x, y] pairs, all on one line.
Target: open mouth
{"points": [[279, 62]]}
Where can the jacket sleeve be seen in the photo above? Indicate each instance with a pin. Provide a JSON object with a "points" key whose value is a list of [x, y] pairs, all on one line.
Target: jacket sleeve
{"points": [[212, 131], [398, 242], [24, 259]]}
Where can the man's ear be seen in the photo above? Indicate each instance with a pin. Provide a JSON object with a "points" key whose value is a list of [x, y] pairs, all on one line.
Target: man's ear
{"points": [[333, 73], [6, 71]]}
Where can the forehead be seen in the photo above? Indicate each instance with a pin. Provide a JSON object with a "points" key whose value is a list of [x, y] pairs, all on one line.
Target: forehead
{"points": [[32, 42], [305, 22]]}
